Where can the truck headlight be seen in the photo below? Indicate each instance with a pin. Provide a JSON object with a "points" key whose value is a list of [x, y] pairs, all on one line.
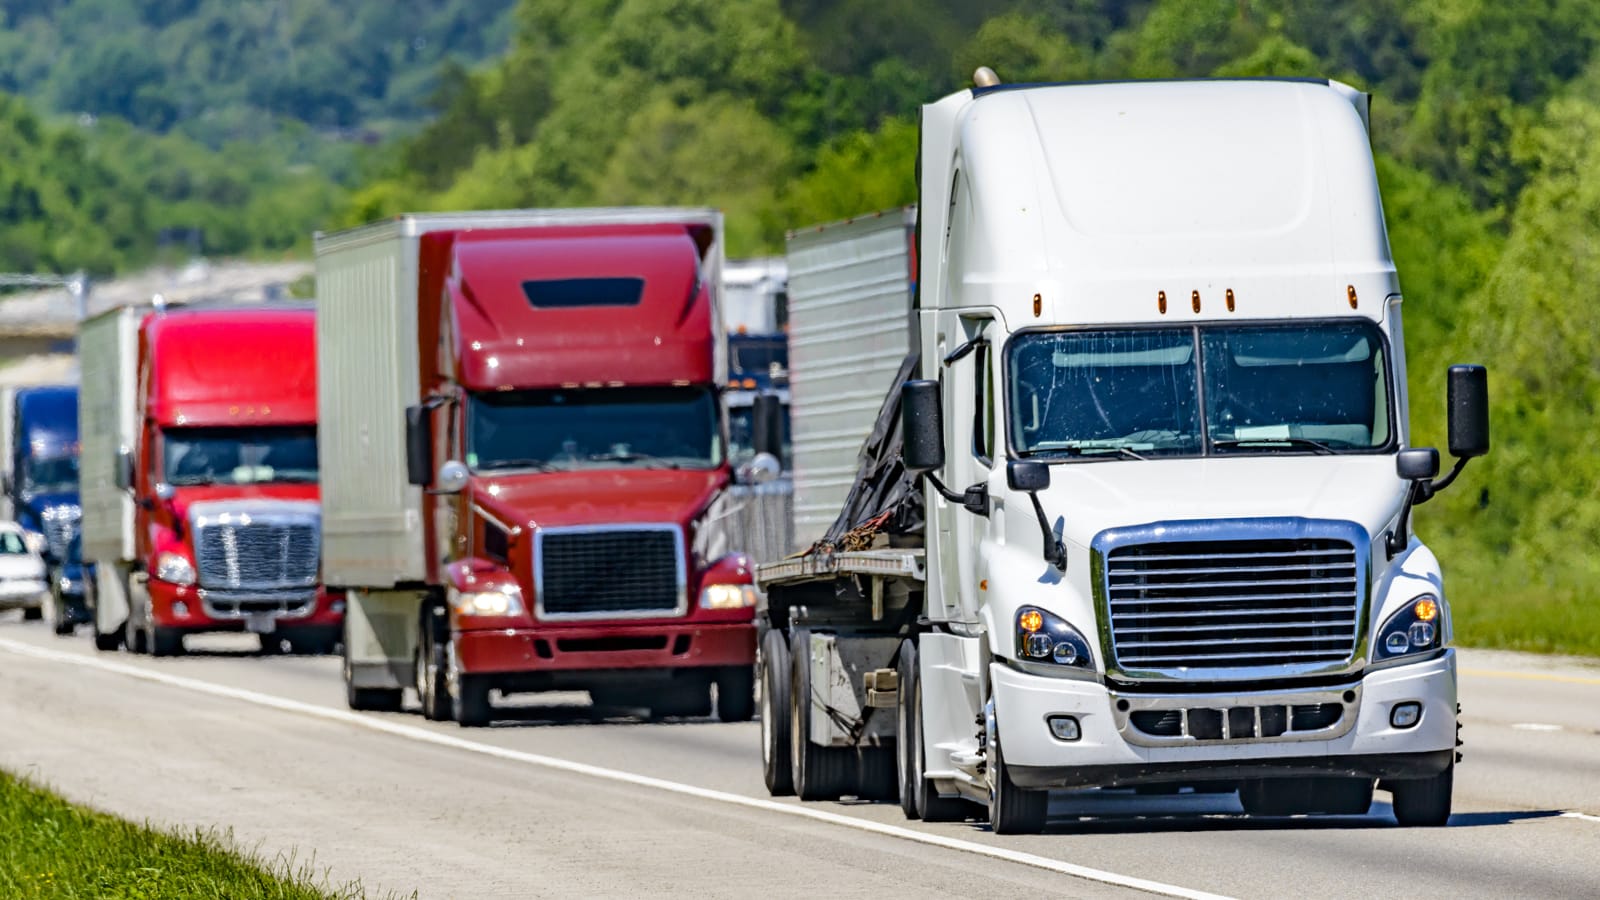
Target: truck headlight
{"points": [[728, 596], [1416, 628], [505, 601], [34, 541], [1045, 638], [174, 568]]}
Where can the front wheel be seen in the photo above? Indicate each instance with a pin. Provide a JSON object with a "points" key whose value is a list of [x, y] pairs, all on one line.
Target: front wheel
{"points": [[1012, 810], [433, 690], [1424, 802], [736, 696], [164, 641]]}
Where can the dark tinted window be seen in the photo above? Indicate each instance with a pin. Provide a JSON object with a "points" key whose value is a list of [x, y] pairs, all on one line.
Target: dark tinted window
{"points": [[566, 293]]}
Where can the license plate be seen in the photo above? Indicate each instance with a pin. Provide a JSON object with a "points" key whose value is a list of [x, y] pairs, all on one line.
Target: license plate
{"points": [[260, 623]]}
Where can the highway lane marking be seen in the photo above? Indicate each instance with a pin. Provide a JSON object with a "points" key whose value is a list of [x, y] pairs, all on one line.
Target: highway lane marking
{"points": [[1531, 676], [1536, 726], [423, 735], [1578, 815]]}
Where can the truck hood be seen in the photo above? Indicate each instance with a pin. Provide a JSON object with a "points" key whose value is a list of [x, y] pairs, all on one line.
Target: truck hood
{"points": [[186, 497], [599, 496], [1091, 497]]}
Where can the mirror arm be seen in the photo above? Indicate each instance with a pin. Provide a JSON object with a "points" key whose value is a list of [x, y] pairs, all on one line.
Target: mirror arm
{"points": [[965, 348], [1395, 541], [1434, 487], [1055, 552], [974, 499]]}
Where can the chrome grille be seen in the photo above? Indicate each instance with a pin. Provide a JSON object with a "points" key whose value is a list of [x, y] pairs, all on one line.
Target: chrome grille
{"points": [[1233, 604], [60, 524], [610, 572], [260, 547]]}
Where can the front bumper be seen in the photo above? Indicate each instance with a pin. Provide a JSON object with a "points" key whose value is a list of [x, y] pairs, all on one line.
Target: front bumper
{"points": [[23, 593], [185, 607], [1112, 752], [550, 650]]}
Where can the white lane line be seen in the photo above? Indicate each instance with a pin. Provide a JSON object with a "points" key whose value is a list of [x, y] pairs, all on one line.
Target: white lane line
{"points": [[1578, 815], [423, 735], [1536, 726]]}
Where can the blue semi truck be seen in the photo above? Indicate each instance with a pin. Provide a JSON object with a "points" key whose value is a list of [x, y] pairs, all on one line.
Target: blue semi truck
{"points": [[39, 439]]}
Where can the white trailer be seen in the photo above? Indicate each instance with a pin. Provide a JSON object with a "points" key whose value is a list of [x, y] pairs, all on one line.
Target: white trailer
{"points": [[108, 347], [1140, 514]]}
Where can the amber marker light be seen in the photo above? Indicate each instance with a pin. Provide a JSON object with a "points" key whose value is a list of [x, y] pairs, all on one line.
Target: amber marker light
{"points": [[1350, 292], [1194, 300], [1426, 609], [1229, 296], [1031, 621], [1038, 305], [1161, 301]]}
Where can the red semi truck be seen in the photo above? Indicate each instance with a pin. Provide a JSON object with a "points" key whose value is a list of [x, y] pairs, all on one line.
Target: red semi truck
{"points": [[525, 461], [199, 477]]}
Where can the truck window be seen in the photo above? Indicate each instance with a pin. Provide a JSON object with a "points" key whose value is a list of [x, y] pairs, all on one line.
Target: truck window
{"points": [[1270, 388], [11, 544], [604, 427], [267, 454], [49, 474], [982, 405]]}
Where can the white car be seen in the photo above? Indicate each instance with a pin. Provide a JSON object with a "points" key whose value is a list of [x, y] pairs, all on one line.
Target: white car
{"points": [[22, 573]]}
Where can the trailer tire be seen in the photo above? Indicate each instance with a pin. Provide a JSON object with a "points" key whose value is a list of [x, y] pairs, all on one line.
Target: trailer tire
{"points": [[107, 643], [918, 797], [32, 613], [736, 695], [879, 777], [1424, 802], [820, 773], [776, 765]]}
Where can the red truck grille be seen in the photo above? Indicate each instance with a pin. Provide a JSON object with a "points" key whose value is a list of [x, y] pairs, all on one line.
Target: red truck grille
{"points": [[632, 571]]}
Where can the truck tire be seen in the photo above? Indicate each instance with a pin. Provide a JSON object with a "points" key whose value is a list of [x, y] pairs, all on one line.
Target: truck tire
{"points": [[820, 773], [1012, 810], [433, 690], [472, 707], [681, 698], [164, 641], [1424, 802], [736, 695], [107, 643], [879, 776], [369, 699], [776, 770], [133, 636], [918, 797], [32, 613]]}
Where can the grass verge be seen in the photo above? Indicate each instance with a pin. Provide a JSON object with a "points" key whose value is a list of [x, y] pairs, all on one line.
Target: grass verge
{"points": [[52, 848]]}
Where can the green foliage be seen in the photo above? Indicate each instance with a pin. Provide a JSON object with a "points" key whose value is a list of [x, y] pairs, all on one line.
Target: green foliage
{"points": [[56, 849]]}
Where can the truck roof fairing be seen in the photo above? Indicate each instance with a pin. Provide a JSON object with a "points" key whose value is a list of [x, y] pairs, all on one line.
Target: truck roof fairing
{"points": [[238, 366], [1099, 197]]}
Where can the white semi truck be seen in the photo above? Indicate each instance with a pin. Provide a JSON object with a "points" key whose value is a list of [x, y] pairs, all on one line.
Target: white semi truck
{"points": [[1136, 509]]}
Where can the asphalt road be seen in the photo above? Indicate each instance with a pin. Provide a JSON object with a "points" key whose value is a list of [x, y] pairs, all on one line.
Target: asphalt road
{"points": [[556, 801]]}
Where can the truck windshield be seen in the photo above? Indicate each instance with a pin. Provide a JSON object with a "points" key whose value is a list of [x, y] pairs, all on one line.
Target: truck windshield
{"points": [[741, 435], [274, 454], [646, 427], [50, 475], [1317, 387]]}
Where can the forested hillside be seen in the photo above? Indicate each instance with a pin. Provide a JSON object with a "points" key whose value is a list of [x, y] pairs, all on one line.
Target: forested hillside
{"points": [[1486, 118]]}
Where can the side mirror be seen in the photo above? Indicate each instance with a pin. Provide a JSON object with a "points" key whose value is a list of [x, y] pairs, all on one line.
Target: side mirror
{"points": [[1417, 464], [766, 424], [6, 484], [764, 468], [419, 446], [122, 469], [922, 426], [1468, 401], [452, 478], [1027, 476]]}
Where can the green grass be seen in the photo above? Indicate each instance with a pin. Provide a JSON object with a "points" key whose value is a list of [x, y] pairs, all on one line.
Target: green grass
{"points": [[52, 848], [1497, 604]]}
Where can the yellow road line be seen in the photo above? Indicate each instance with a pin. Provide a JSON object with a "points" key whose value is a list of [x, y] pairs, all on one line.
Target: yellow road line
{"points": [[1531, 676]]}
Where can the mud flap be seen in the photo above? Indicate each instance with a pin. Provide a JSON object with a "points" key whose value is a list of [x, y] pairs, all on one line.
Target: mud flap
{"points": [[381, 637]]}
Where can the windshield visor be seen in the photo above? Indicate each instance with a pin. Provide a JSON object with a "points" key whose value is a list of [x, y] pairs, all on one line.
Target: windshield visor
{"points": [[196, 456], [649, 427], [1314, 387]]}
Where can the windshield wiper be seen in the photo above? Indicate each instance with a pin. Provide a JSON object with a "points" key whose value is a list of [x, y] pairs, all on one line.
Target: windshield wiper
{"points": [[634, 457], [519, 463], [1094, 448], [1307, 443]]}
